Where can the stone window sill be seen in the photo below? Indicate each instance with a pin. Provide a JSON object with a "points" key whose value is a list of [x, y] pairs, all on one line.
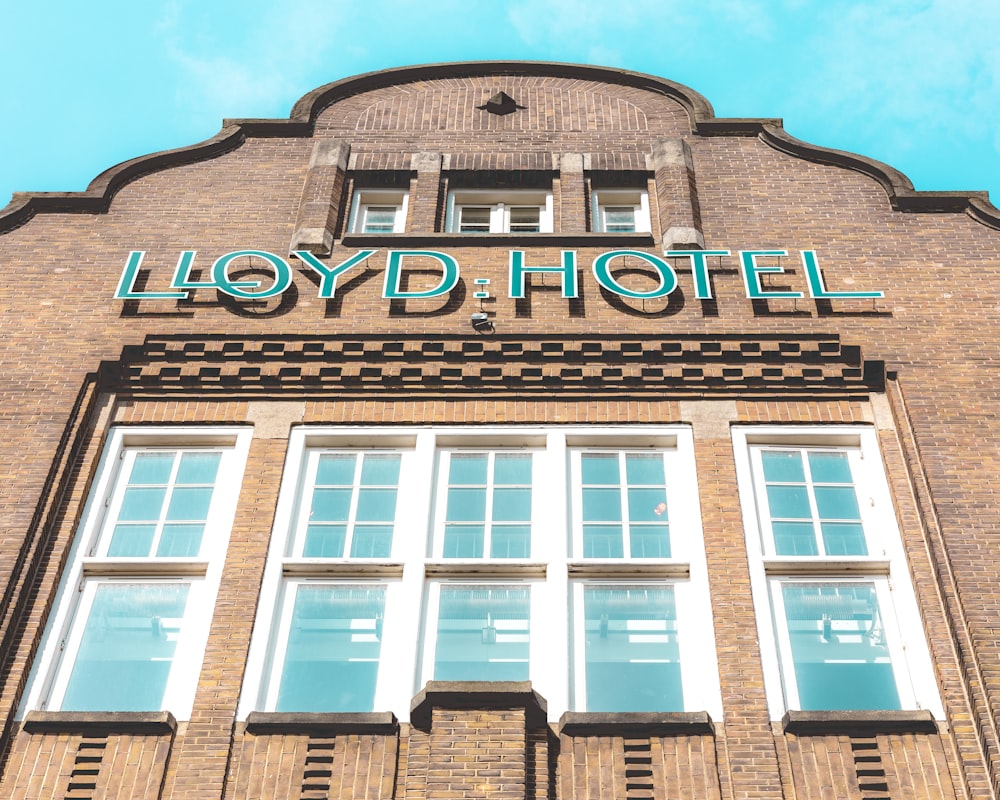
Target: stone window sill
{"points": [[261, 723], [93, 723], [641, 724], [821, 723]]}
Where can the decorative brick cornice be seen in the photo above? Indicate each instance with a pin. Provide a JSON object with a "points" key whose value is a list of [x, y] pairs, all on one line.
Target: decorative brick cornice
{"points": [[550, 365]]}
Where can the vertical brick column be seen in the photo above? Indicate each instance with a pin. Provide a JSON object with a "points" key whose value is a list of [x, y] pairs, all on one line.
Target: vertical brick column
{"points": [[425, 193], [571, 216], [478, 738], [322, 195], [747, 753], [677, 195]]}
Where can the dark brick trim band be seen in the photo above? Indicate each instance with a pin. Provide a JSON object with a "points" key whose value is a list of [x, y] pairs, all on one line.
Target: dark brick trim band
{"points": [[726, 365], [92, 723], [637, 725], [854, 723], [268, 724]]}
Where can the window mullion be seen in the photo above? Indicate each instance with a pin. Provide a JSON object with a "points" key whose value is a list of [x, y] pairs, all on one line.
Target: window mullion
{"points": [[813, 504], [626, 522], [352, 512], [490, 488]]}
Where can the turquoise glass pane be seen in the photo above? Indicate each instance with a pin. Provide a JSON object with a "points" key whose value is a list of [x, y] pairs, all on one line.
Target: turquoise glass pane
{"points": [[830, 467], [463, 541], [198, 468], [647, 505], [512, 505], [788, 502], [650, 541], [794, 539], [331, 662], [599, 468], [844, 539], [376, 505], [510, 541], [130, 541], [324, 541], [782, 466], [468, 469], [189, 503], [336, 469], [837, 502], [380, 469], [180, 541], [512, 469], [603, 541], [482, 634], [371, 541], [141, 504], [151, 468], [330, 505], [602, 505], [631, 652], [127, 648], [840, 656], [644, 469], [466, 505]]}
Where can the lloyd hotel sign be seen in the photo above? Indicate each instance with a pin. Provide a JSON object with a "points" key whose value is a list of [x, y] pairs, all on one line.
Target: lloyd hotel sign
{"points": [[754, 264]]}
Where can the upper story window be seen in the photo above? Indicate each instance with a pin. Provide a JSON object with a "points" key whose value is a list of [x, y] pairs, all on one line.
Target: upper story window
{"points": [[479, 563], [378, 211], [130, 624], [620, 211], [829, 570], [496, 211]]}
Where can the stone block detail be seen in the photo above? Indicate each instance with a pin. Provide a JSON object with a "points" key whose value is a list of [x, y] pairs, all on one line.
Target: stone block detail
{"points": [[677, 195], [322, 198]]}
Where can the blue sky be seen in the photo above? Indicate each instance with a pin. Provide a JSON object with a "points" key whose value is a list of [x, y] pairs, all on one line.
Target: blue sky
{"points": [[914, 83]]}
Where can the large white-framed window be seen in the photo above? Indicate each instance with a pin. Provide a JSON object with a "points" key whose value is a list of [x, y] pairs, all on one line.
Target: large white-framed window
{"points": [[836, 612], [499, 211], [130, 625], [482, 576], [620, 210], [378, 211]]}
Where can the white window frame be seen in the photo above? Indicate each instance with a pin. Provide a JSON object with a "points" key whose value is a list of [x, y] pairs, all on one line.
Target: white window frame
{"points": [[500, 202], [636, 199], [365, 199], [415, 573], [90, 568], [885, 565]]}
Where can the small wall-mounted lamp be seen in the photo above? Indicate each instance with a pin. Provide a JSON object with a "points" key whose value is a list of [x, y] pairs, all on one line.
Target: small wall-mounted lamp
{"points": [[481, 323]]}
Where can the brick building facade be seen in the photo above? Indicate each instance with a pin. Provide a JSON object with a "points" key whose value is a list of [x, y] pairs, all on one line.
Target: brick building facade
{"points": [[500, 430]]}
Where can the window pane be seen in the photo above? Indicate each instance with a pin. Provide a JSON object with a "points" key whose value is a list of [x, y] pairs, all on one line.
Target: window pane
{"points": [[468, 469], [783, 466], [142, 504], [376, 505], [794, 539], [789, 502], [511, 541], [324, 541], [525, 219], [645, 469], [647, 505], [512, 469], [127, 648], [599, 468], [335, 469], [631, 654], [603, 541], [152, 468], [331, 663], [371, 541], [380, 219], [464, 541], [380, 469], [830, 467], [331, 505], [474, 219], [466, 505], [482, 634], [602, 505], [619, 219], [839, 650], [189, 503], [180, 541], [837, 502], [844, 539], [131, 541], [650, 541], [512, 505], [198, 468]]}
